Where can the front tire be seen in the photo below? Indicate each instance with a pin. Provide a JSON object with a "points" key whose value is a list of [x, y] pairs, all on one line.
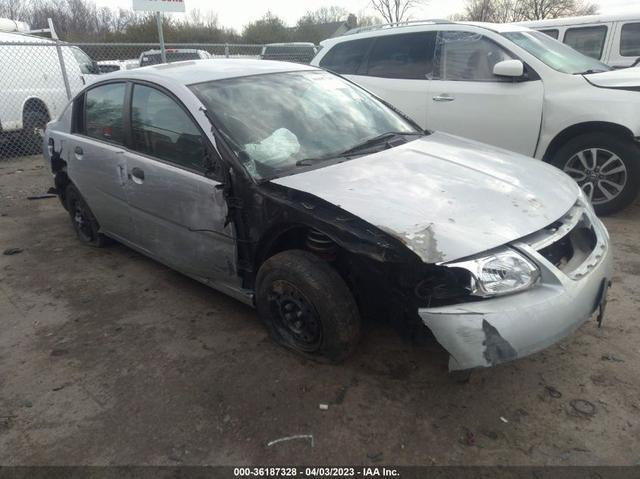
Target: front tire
{"points": [[84, 223], [606, 167], [307, 306]]}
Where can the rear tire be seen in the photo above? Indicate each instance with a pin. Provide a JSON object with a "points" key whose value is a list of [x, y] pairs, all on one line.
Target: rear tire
{"points": [[307, 306], [33, 126], [84, 223], [613, 179]]}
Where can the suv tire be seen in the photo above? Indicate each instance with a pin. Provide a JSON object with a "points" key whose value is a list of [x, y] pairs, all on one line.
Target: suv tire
{"points": [[613, 179]]}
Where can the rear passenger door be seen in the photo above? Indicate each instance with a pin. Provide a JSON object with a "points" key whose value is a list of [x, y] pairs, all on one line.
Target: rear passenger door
{"points": [[179, 212], [468, 100], [96, 156]]}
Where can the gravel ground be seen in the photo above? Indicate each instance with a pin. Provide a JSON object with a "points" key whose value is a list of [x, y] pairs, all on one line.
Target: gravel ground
{"points": [[107, 357]]}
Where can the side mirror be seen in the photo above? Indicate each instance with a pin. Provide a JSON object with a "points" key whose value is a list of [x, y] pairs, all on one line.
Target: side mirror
{"points": [[509, 68]]}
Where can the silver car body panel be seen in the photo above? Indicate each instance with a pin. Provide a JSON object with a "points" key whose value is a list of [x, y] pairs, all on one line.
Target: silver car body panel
{"points": [[490, 332], [443, 196]]}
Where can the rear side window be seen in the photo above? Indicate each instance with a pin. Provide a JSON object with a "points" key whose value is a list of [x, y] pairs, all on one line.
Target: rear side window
{"points": [[346, 57], [630, 40], [408, 56], [467, 56], [553, 33], [104, 112], [587, 40], [162, 129]]}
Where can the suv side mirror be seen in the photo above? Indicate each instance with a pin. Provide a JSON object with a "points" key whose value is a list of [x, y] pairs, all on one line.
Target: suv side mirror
{"points": [[509, 68]]}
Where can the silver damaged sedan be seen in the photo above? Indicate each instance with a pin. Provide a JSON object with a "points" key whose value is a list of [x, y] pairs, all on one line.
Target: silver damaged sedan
{"points": [[298, 192]]}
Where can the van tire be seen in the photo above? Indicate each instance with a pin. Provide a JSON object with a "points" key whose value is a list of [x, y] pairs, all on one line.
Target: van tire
{"points": [[84, 223], [605, 145], [307, 306], [33, 124]]}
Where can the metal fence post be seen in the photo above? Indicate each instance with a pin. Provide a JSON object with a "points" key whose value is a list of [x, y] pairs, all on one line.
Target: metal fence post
{"points": [[163, 53], [63, 68]]}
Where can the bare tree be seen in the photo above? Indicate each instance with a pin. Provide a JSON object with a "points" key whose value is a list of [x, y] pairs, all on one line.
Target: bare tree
{"points": [[394, 11], [505, 11]]}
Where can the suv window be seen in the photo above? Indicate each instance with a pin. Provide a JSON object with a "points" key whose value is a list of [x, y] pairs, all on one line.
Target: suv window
{"points": [[587, 40], [553, 33], [104, 112], [630, 40], [162, 129], [467, 56], [403, 56], [346, 57]]}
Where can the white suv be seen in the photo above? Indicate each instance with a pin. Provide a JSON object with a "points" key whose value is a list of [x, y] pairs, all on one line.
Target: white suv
{"points": [[508, 86]]}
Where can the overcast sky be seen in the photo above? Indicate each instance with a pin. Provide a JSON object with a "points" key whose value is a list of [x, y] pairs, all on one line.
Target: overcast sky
{"points": [[236, 13]]}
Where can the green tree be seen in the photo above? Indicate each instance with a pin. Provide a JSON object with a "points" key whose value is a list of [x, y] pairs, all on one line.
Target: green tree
{"points": [[268, 29]]}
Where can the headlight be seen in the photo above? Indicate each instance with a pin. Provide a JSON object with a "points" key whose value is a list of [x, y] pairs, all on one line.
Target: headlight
{"points": [[505, 271]]}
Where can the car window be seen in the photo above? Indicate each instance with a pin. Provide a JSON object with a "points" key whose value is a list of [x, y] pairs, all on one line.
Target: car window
{"points": [[587, 40], [162, 129], [346, 57], [84, 61], [553, 33], [630, 40], [555, 54], [408, 56], [467, 56], [104, 112]]}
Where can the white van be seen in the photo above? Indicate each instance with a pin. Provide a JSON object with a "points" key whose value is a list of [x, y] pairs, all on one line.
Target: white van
{"points": [[32, 85], [612, 39]]}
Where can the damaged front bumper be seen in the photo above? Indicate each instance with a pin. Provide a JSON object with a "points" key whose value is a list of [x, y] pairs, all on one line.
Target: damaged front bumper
{"points": [[492, 331]]}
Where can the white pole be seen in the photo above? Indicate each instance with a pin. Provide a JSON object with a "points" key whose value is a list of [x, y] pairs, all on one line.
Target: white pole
{"points": [[163, 53]]}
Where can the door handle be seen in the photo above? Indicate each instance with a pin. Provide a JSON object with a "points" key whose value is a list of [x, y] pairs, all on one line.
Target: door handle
{"points": [[444, 97], [137, 175], [78, 151]]}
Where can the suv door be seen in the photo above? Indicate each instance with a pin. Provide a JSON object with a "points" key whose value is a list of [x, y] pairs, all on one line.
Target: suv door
{"points": [[468, 100], [180, 214], [97, 163]]}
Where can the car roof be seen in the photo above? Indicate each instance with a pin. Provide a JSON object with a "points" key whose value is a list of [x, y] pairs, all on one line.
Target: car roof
{"points": [[418, 26], [198, 71]]}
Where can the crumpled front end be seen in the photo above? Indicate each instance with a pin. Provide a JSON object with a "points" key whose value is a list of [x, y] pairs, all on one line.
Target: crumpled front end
{"points": [[576, 266]]}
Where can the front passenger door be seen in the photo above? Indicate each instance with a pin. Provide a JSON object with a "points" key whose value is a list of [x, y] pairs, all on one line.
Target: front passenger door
{"points": [[179, 213], [468, 100]]}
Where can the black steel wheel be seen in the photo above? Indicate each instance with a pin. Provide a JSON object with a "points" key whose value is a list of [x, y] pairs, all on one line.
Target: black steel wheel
{"points": [[307, 306], [84, 223]]}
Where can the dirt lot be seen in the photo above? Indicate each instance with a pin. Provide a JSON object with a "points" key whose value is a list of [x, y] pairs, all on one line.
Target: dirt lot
{"points": [[107, 357]]}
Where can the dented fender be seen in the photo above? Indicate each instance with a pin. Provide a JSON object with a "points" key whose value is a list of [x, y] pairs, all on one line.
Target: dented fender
{"points": [[493, 331]]}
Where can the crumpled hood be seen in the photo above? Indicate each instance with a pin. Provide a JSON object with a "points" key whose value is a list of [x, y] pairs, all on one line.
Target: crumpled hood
{"points": [[443, 196], [623, 78]]}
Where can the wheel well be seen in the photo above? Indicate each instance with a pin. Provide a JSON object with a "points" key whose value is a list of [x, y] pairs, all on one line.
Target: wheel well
{"points": [[280, 239], [581, 128], [35, 105]]}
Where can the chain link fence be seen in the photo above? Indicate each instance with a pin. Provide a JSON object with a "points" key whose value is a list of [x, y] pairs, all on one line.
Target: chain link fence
{"points": [[39, 76]]}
